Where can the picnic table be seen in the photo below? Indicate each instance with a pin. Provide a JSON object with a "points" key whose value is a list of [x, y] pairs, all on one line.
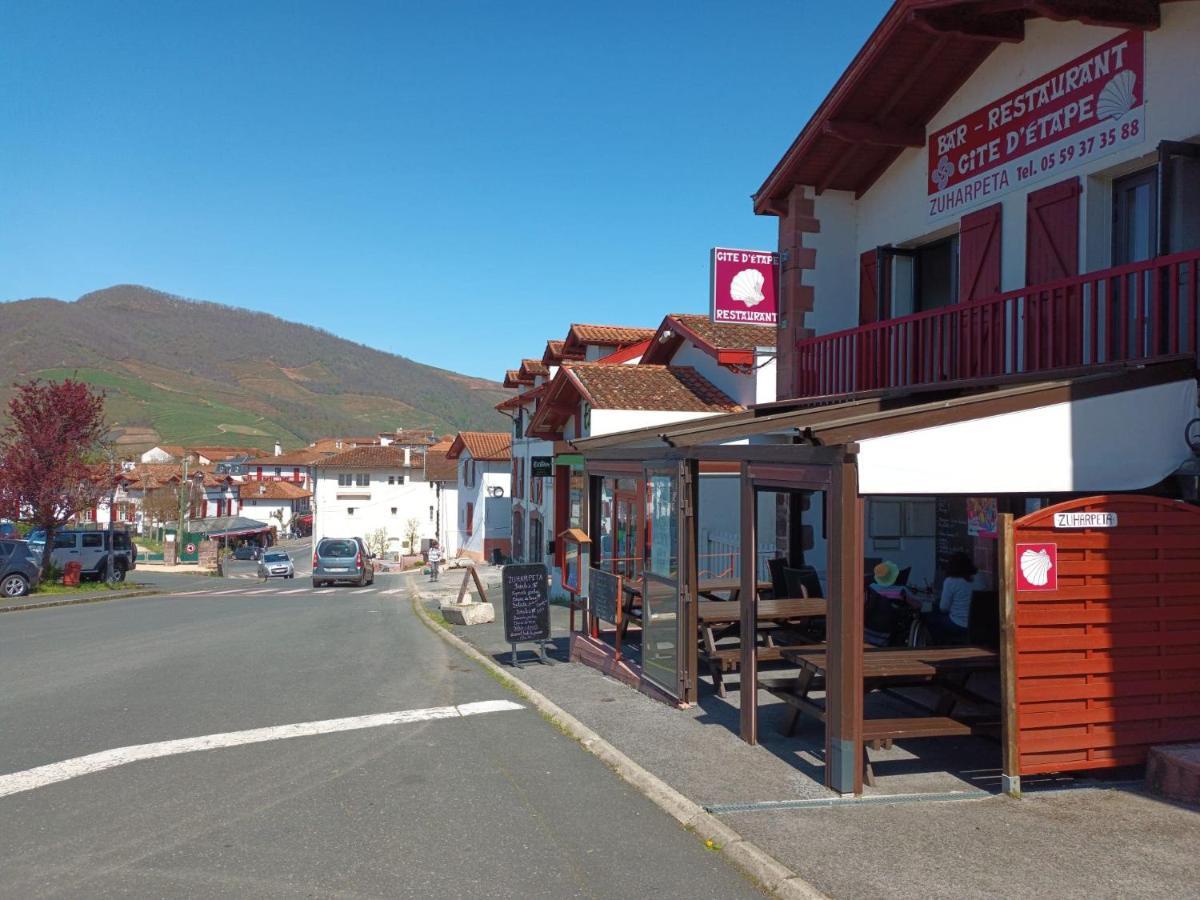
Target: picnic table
{"points": [[719, 618], [944, 669]]}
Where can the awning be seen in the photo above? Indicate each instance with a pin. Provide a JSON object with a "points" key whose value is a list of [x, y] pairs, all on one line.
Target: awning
{"points": [[1116, 442], [1116, 429]]}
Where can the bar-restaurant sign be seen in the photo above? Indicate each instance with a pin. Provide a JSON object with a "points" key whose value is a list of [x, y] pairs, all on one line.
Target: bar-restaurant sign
{"points": [[744, 286], [1086, 108]]}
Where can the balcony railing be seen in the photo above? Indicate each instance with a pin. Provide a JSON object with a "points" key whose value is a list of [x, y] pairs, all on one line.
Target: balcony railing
{"points": [[1136, 313]]}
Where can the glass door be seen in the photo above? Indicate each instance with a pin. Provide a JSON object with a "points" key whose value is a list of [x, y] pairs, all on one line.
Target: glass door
{"points": [[661, 620]]}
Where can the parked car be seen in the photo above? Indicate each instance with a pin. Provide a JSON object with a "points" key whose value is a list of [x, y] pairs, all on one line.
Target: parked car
{"points": [[19, 570], [276, 564], [342, 559], [247, 551], [90, 550]]}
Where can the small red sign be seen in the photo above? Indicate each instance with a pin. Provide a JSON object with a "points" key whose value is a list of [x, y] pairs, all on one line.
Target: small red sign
{"points": [[190, 548], [743, 286], [1037, 567]]}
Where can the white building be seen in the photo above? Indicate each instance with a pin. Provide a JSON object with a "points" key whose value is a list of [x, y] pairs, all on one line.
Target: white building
{"points": [[274, 502], [484, 477], [442, 473], [296, 467], [368, 489]]}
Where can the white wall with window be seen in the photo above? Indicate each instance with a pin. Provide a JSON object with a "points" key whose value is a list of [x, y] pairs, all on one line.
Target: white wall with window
{"points": [[478, 480], [358, 502]]}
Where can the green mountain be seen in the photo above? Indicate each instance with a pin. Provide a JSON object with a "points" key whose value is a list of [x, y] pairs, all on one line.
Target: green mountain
{"points": [[181, 371]]}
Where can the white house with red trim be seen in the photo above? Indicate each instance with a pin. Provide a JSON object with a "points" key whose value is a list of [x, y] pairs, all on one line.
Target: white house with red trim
{"points": [[277, 503], [484, 493]]}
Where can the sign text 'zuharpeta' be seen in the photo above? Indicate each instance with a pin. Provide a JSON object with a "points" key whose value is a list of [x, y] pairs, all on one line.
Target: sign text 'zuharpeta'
{"points": [[1084, 109], [1085, 520], [743, 286]]}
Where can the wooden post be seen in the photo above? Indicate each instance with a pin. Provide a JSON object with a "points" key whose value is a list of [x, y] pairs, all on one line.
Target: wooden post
{"points": [[844, 669], [1010, 778], [748, 596]]}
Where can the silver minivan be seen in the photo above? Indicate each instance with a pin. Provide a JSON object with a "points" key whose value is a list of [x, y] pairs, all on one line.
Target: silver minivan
{"points": [[90, 550], [342, 559]]}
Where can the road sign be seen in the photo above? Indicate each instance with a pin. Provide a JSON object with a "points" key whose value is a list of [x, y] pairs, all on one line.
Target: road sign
{"points": [[190, 548]]}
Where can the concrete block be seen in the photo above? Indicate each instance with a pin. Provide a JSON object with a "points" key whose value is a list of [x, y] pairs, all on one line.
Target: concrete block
{"points": [[1173, 772], [469, 613]]}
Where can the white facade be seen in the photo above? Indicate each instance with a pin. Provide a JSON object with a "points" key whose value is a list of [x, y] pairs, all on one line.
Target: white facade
{"points": [[477, 481], [367, 500], [895, 210], [273, 511], [446, 516]]}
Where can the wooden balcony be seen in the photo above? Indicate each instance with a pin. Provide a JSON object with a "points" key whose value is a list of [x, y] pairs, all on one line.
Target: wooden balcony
{"points": [[1137, 313]]}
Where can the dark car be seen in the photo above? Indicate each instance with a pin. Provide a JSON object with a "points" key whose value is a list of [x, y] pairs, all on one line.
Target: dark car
{"points": [[342, 559], [18, 569], [246, 551]]}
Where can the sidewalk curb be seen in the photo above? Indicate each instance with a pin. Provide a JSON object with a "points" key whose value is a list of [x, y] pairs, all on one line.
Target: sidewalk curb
{"points": [[75, 601], [745, 855]]}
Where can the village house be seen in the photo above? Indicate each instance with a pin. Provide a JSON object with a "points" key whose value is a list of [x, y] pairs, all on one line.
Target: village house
{"points": [[374, 490], [297, 467], [987, 359], [278, 503], [442, 473], [484, 483]]}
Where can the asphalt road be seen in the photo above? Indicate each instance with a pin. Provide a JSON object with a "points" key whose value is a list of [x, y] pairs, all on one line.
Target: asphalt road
{"points": [[492, 805]]}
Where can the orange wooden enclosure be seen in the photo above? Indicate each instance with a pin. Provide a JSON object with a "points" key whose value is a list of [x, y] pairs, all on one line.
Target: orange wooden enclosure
{"points": [[1107, 659]]}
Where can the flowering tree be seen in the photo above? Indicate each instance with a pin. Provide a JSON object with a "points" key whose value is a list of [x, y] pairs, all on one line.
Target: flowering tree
{"points": [[47, 453]]}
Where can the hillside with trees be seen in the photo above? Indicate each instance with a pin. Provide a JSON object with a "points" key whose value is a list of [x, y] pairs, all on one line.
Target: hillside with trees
{"points": [[192, 372]]}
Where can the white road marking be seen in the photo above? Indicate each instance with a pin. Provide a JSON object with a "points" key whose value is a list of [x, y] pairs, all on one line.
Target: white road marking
{"points": [[324, 591], [29, 779], [395, 591], [296, 591], [191, 593], [364, 591], [234, 591], [264, 591]]}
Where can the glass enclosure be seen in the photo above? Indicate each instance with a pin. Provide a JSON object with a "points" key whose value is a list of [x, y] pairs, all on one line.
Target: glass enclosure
{"points": [[660, 597]]}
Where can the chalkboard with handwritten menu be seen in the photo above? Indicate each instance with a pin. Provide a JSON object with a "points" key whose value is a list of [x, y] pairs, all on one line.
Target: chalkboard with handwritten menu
{"points": [[526, 603]]}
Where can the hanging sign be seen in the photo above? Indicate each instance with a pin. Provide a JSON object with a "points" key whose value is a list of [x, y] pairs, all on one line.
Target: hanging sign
{"points": [[1089, 107], [1085, 520], [743, 286], [1037, 567], [541, 467]]}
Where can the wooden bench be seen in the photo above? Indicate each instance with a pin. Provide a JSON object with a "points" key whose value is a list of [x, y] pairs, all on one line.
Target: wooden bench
{"points": [[880, 733]]}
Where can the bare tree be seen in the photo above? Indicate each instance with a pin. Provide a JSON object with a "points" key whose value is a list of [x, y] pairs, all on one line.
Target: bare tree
{"points": [[377, 541], [412, 535]]}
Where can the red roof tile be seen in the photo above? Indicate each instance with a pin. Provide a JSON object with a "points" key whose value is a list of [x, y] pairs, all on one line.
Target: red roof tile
{"points": [[273, 490], [649, 387], [606, 335], [533, 367], [717, 338], [438, 466], [486, 446], [366, 458]]}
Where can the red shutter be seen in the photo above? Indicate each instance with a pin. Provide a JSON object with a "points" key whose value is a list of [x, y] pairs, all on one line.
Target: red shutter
{"points": [[1053, 318], [979, 254], [868, 288], [1052, 232]]}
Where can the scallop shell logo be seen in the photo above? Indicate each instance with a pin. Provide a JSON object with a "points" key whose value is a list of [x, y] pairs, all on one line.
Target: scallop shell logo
{"points": [[746, 287], [1035, 566], [1117, 97]]}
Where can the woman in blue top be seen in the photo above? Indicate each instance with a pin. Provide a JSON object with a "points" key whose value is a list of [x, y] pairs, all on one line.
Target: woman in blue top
{"points": [[948, 623]]}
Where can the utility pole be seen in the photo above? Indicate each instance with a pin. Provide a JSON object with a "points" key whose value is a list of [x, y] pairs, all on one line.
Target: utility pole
{"points": [[110, 572], [185, 497]]}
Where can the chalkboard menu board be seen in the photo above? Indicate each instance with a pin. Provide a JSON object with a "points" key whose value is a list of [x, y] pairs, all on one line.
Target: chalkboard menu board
{"points": [[604, 595], [526, 603], [952, 534]]}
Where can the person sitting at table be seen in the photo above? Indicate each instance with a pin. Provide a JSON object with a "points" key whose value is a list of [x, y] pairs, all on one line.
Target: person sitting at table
{"points": [[948, 623]]}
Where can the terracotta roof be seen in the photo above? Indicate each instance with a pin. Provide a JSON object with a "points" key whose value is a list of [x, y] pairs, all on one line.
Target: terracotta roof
{"points": [[273, 490], [534, 367], [307, 457], [729, 343], [438, 466], [525, 397], [513, 378], [650, 387], [553, 354], [607, 335], [414, 437], [485, 446], [366, 458]]}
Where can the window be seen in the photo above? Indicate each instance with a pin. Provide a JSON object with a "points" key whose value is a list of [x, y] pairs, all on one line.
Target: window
{"points": [[431, 514], [391, 479], [345, 479], [278, 472], [362, 479], [93, 540], [923, 278], [393, 510], [64, 542], [469, 526], [350, 510], [1135, 217]]}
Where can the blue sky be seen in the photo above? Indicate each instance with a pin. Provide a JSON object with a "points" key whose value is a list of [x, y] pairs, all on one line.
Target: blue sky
{"points": [[455, 182]]}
